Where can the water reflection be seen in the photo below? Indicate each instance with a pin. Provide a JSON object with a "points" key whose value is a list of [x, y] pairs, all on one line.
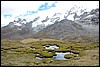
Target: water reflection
{"points": [[52, 47], [39, 58], [60, 55]]}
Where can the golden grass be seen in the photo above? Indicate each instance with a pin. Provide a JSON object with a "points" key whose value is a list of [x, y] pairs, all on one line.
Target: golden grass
{"points": [[23, 52]]}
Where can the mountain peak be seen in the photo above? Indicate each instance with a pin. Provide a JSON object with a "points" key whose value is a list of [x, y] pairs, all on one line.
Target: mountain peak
{"points": [[83, 29]]}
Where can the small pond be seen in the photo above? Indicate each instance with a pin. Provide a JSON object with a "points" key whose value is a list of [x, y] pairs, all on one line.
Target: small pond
{"points": [[39, 58], [52, 47], [58, 56]]}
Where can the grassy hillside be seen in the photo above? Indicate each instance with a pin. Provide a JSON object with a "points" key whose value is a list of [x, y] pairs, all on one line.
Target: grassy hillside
{"points": [[23, 52]]}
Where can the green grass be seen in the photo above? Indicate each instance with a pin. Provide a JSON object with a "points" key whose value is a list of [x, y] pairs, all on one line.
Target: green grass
{"points": [[46, 54], [68, 56], [18, 53]]}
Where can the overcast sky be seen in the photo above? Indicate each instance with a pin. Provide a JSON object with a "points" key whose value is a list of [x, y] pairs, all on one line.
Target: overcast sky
{"points": [[11, 10]]}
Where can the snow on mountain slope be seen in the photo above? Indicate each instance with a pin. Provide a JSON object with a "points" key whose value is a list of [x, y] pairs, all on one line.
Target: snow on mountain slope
{"points": [[30, 9], [68, 30], [55, 25]]}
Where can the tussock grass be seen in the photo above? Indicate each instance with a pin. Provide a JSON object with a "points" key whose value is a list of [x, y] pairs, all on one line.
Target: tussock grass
{"points": [[23, 52]]}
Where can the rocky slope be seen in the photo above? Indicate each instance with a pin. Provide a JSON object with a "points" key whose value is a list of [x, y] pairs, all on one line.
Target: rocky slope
{"points": [[85, 29], [69, 31]]}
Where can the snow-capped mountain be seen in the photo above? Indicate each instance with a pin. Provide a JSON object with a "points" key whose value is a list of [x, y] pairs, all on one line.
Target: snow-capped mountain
{"points": [[80, 30], [36, 22], [47, 20], [57, 23]]}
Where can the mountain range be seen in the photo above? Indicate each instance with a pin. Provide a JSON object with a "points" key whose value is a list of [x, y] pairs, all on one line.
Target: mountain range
{"points": [[84, 28]]}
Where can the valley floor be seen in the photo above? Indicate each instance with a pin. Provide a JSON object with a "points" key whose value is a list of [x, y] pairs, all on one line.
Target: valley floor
{"points": [[23, 52]]}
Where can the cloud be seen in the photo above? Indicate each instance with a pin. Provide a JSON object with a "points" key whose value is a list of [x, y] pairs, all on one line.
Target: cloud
{"points": [[5, 21], [21, 9], [7, 15], [31, 9], [42, 7], [46, 6], [30, 13]]}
